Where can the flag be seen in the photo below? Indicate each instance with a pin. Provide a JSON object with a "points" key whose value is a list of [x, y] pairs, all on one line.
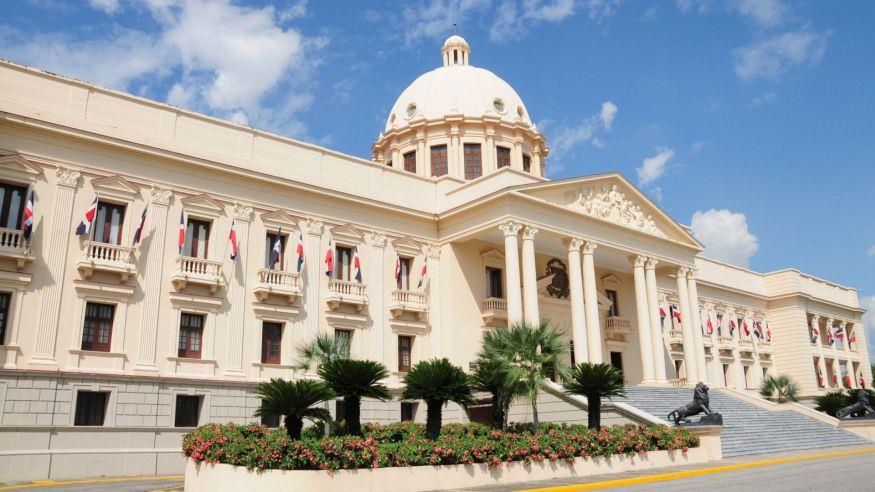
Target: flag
{"points": [[329, 260], [746, 329], [732, 327], [300, 252], [758, 329], [232, 237], [815, 333], [835, 379], [847, 381], [357, 266], [830, 336], [719, 324], [277, 250], [181, 231], [139, 233], [397, 268], [820, 381], [423, 275], [862, 382], [710, 326], [661, 316], [840, 333], [27, 225], [84, 226], [675, 313], [768, 332]]}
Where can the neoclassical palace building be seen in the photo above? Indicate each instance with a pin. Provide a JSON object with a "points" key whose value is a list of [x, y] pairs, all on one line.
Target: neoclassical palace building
{"points": [[209, 251]]}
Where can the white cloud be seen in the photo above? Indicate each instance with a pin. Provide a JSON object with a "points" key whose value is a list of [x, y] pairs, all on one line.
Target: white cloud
{"points": [[766, 13], [872, 253], [599, 10], [567, 138], [868, 303], [699, 6], [653, 167], [511, 19], [725, 236], [775, 56], [294, 11], [609, 112], [698, 146], [108, 6], [435, 18], [762, 99]]}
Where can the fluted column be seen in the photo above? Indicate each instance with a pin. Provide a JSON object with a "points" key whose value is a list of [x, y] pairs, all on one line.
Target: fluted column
{"points": [[433, 291], [55, 246], [237, 292], [512, 271], [657, 343], [686, 326], [591, 304], [421, 158], [490, 162], [696, 321], [578, 312], [644, 337], [153, 262], [530, 276], [312, 277], [376, 286]]}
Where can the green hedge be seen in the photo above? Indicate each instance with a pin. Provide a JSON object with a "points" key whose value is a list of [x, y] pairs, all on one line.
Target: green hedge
{"points": [[404, 444]]}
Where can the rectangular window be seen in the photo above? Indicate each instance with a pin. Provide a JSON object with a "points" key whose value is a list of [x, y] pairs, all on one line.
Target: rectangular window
{"points": [[197, 239], [403, 282], [108, 223], [342, 334], [493, 283], [90, 408], [97, 329], [410, 162], [473, 162], [268, 247], [527, 163], [614, 310], [339, 410], [5, 301], [405, 346], [188, 409], [272, 421], [11, 205], [502, 155], [408, 411], [439, 164], [271, 337], [343, 263], [191, 332]]}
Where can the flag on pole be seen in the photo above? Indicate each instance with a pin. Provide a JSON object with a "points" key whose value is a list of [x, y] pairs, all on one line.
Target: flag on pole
{"points": [[732, 327], [300, 252], [830, 336], [862, 382], [675, 313], [768, 332], [840, 333], [27, 225], [847, 380], [84, 226], [232, 237], [719, 324], [758, 329], [423, 275], [710, 326], [815, 333], [181, 231], [820, 381], [662, 316], [139, 233], [746, 329], [397, 268], [357, 266], [835, 379], [329, 260], [277, 250]]}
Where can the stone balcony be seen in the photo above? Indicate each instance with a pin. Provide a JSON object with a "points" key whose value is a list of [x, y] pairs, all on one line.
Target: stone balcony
{"points": [[279, 283], [15, 247], [197, 271], [764, 347], [408, 301], [617, 327], [346, 292], [105, 257], [707, 341], [745, 347], [725, 343], [492, 309], [675, 337]]}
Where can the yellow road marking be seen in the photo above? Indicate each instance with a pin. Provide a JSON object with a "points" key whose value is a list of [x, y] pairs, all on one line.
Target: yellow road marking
{"points": [[692, 473], [55, 483]]}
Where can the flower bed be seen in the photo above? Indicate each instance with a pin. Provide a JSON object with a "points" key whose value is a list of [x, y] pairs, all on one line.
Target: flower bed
{"points": [[404, 445]]}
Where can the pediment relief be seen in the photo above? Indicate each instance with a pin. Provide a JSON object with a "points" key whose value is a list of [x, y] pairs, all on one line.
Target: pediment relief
{"points": [[203, 205], [18, 168], [347, 234], [407, 246], [115, 187], [493, 258], [279, 218], [608, 202]]}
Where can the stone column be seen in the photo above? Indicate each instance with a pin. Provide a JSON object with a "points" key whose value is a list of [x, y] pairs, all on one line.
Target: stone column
{"points": [[421, 160], [396, 157], [490, 162], [696, 321], [376, 286], [658, 345], [237, 292], [312, 278], [433, 291], [537, 160], [578, 312], [645, 339], [512, 270], [530, 276], [516, 158], [56, 245], [591, 304], [686, 327], [837, 372]]}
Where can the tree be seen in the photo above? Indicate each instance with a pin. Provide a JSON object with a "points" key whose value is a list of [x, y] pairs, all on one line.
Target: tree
{"points": [[353, 380], [294, 401], [594, 382], [831, 402], [780, 388], [533, 349], [437, 381], [322, 348], [502, 381]]}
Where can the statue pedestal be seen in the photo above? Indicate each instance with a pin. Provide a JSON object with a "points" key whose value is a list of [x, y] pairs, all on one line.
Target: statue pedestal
{"points": [[712, 419]]}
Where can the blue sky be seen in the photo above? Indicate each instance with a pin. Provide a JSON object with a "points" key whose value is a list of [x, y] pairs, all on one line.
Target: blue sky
{"points": [[750, 120]]}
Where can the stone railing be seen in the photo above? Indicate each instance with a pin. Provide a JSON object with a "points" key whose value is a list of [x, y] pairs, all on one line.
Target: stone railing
{"points": [[279, 278], [745, 345], [408, 297], [198, 271], [346, 288], [725, 342], [12, 241], [678, 383], [109, 254], [618, 323], [675, 336], [494, 304]]}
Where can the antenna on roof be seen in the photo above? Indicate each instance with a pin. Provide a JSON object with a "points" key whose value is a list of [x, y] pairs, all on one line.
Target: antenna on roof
{"points": [[455, 31]]}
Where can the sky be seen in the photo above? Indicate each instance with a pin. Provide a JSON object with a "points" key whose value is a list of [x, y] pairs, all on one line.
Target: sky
{"points": [[749, 120]]}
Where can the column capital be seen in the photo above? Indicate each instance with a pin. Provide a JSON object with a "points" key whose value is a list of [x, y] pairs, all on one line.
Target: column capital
{"points": [[160, 196], [314, 227], [638, 261], [510, 228], [692, 273], [682, 272], [378, 240], [433, 251], [589, 247], [242, 212], [529, 232], [651, 263], [67, 177], [574, 243], [815, 318]]}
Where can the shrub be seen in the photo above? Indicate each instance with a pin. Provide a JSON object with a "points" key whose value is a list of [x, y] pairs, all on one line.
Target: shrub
{"points": [[780, 388], [831, 402], [437, 381], [405, 444]]}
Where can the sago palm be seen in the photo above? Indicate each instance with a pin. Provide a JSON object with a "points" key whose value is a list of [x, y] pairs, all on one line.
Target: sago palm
{"points": [[780, 388], [594, 382], [293, 400], [437, 381], [533, 349], [502, 381], [353, 380], [831, 402], [323, 347]]}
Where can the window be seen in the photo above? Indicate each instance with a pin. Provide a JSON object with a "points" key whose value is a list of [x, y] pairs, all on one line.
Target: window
{"points": [[439, 160], [404, 275], [108, 223], [271, 421], [191, 332], [271, 336], [339, 410], [527, 163], [5, 301], [614, 310], [188, 409], [473, 164], [271, 239], [498, 104], [493, 283], [389, 160], [11, 205], [343, 263], [97, 329], [405, 344], [502, 156], [341, 334], [617, 360], [410, 162], [90, 408], [408, 411], [571, 351], [197, 239], [411, 110]]}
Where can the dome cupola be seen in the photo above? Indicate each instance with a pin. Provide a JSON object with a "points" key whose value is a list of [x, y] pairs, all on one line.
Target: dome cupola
{"points": [[456, 51]]}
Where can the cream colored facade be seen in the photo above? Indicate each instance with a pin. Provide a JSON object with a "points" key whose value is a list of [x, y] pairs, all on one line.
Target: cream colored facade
{"points": [[625, 261]]}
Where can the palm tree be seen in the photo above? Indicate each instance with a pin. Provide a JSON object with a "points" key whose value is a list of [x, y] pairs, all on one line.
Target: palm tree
{"points": [[437, 381], [502, 381], [533, 349], [293, 400], [353, 380], [831, 402], [594, 381], [323, 347], [781, 388]]}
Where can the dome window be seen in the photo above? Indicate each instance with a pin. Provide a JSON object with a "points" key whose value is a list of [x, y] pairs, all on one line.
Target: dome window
{"points": [[411, 110], [519, 111], [498, 104]]}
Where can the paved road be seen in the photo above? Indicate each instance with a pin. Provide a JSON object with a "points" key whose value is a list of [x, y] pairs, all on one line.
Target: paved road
{"points": [[134, 485]]}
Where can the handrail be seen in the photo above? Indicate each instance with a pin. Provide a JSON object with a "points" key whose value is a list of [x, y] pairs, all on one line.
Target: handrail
{"points": [[625, 409], [13, 241], [279, 278], [403, 296], [494, 304], [188, 265], [108, 253], [346, 288]]}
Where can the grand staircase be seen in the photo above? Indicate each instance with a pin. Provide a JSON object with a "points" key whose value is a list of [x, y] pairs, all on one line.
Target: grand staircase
{"points": [[747, 428]]}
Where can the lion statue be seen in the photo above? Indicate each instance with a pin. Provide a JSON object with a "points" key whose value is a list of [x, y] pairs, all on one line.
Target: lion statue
{"points": [[701, 404], [859, 409]]}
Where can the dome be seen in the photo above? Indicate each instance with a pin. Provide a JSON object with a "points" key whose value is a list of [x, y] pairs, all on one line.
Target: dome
{"points": [[455, 39]]}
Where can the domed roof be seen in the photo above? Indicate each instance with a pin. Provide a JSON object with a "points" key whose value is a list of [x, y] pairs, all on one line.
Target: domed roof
{"points": [[457, 89]]}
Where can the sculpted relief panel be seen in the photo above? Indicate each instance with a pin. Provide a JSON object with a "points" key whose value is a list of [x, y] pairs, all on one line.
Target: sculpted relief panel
{"points": [[609, 203]]}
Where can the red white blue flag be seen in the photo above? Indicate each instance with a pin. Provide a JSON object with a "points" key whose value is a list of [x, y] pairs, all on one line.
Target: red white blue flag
{"points": [[27, 226], [840, 333], [232, 238], [768, 332], [815, 333], [181, 231], [758, 329], [357, 266], [661, 316], [732, 327], [300, 252], [719, 324], [675, 313], [423, 275], [746, 329], [139, 233], [277, 250], [84, 226], [710, 326], [397, 267], [830, 336], [329, 260]]}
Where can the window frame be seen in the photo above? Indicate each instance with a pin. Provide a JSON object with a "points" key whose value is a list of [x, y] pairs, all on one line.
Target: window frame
{"points": [[188, 248], [105, 208], [347, 332], [198, 404], [411, 409], [86, 421], [402, 351], [275, 339], [527, 163], [405, 265], [341, 271], [8, 189], [91, 327], [490, 291], [440, 156], [409, 160], [187, 352], [613, 295], [270, 237], [5, 310], [472, 153], [502, 156]]}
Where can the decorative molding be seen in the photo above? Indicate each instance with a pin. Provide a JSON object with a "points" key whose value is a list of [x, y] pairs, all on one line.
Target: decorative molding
{"points": [[279, 218], [242, 212], [348, 234], [682, 272], [203, 204], [589, 247], [529, 232], [161, 196], [692, 273], [574, 243], [115, 187], [407, 246], [379, 240], [651, 263], [67, 177], [638, 261], [18, 168], [510, 228], [610, 204], [314, 227], [433, 251]]}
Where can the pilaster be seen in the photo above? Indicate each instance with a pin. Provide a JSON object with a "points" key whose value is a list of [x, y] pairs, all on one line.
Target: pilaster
{"points": [[237, 292], [511, 232], [643, 317], [590, 301], [530, 276], [657, 343]]}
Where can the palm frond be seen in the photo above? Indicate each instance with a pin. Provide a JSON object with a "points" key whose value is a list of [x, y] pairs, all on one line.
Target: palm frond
{"points": [[323, 347], [586, 379], [292, 398], [438, 380], [355, 378]]}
